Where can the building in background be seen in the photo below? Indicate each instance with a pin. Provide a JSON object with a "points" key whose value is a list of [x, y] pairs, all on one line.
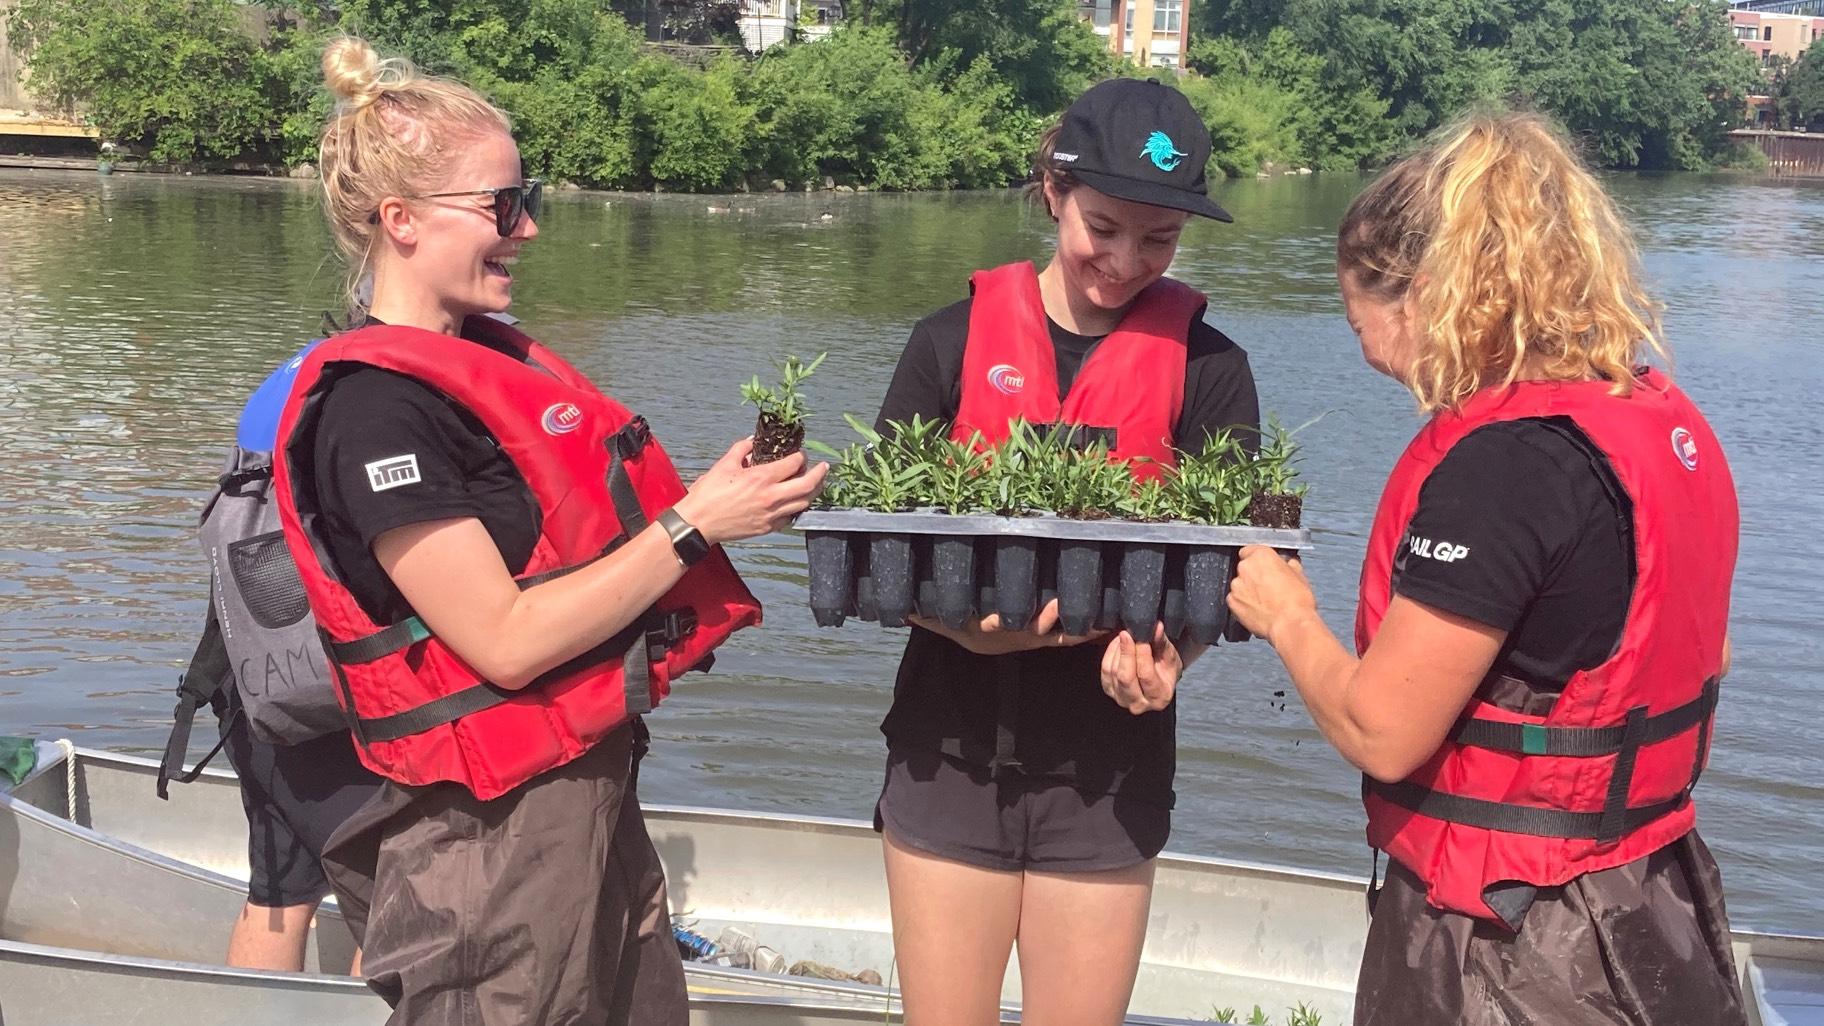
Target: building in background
{"points": [[767, 23], [1151, 33], [1769, 34]]}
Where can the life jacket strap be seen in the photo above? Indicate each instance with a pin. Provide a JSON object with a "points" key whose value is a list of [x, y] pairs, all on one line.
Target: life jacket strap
{"points": [[1538, 739], [624, 445], [411, 630], [1608, 825], [639, 645], [1521, 819]]}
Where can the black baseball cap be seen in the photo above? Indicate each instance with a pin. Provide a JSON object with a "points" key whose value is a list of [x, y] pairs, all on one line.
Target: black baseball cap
{"points": [[1136, 139]]}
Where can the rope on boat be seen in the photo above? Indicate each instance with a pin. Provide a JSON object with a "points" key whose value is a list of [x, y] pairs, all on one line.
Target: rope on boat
{"points": [[886, 1013], [68, 748]]}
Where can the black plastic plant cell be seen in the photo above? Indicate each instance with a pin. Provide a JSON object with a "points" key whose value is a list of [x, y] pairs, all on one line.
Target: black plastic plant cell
{"points": [[1016, 580], [890, 565], [1207, 570], [831, 566], [1105, 574], [953, 577], [1142, 588]]}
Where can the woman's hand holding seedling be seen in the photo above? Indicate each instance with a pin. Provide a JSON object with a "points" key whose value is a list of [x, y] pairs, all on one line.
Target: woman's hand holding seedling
{"points": [[988, 637], [732, 501]]}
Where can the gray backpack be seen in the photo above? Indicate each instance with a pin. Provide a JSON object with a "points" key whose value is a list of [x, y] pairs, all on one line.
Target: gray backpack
{"points": [[259, 635]]}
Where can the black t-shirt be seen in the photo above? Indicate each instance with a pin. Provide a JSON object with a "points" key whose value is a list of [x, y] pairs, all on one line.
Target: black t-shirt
{"points": [[1522, 526], [390, 451], [947, 696]]}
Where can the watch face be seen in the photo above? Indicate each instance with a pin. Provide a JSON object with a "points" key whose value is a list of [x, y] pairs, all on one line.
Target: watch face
{"points": [[686, 540]]}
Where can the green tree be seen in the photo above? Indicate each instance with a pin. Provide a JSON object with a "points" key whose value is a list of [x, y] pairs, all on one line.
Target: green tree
{"points": [[700, 124], [1647, 83], [1800, 97], [1045, 51], [1272, 103], [179, 77]]}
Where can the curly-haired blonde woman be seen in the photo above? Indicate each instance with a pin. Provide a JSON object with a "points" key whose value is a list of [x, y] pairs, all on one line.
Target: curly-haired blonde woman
{"points": [[506, 571], [1543, 608]]}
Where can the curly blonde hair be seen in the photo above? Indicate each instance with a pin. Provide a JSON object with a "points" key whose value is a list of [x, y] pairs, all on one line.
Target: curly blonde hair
{"points": [[1513, 255], [392, 134]]}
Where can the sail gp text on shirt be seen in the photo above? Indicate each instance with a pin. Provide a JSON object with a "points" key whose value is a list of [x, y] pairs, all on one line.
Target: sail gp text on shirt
{"points": [[1442, 551]]}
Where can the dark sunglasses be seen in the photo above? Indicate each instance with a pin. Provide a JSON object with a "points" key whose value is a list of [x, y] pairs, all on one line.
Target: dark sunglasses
{"points": [[510, 203]]}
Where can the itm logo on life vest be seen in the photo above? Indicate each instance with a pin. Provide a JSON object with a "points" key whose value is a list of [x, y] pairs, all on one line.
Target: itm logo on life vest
{"points": [[1006, 379], [561, 419], [1685, 448], [393, 472], [1164, 155], [1443, 552]]}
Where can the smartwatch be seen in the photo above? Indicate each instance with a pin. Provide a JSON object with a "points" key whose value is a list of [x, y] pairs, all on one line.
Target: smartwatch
{"points": [[686, 540]]}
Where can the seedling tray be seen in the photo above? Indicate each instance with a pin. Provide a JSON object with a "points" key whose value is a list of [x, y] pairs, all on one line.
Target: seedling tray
{"points": [[1105, 574]]}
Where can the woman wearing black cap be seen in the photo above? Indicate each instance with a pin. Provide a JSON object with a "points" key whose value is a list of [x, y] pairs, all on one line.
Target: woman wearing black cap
{"points": [[1029, 772]]}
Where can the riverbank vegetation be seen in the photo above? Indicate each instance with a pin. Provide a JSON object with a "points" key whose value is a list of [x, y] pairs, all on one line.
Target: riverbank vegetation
{"points": [[922, 94]]}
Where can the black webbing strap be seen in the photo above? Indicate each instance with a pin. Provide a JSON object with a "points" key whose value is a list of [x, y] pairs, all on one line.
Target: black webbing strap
{"points": [[642, 743], [657, 633], [202, 679], [638, 647], [1606, 826], [1521, 819], [1006, 718], [1615, 803], [624, 445], [411, 630], [435, 713], [381, 643], [1538, 739]]}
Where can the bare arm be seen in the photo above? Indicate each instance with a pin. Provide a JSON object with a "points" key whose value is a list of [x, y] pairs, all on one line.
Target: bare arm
{"points": [[455, 580], [1389, 711]]}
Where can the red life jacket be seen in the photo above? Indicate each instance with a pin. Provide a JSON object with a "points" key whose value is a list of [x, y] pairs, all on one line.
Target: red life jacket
{"points": [[1133, 383], [1512, 801], [419, 713]]}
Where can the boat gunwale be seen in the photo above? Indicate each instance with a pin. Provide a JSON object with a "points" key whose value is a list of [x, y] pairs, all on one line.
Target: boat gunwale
{"points": [[1761, 943], [707, 814]]}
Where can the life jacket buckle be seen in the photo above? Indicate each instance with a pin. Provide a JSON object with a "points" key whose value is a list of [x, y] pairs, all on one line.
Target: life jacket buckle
{"points": [[634, 436], [674, 626]]}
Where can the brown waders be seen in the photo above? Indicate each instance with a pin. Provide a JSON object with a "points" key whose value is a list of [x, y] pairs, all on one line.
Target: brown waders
{"points": [[543, 907], [1645, 944]]}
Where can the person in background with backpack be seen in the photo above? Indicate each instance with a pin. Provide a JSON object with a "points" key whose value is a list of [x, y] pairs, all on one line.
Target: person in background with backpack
{"points": [[261, 669], [506, 571]]}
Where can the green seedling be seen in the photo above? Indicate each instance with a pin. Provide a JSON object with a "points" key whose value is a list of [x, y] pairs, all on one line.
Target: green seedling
{"points": [[1046, 468], [779, 431]]}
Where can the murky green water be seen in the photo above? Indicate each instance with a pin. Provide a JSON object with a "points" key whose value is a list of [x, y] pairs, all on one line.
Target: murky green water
{"points": [[139, 311]]}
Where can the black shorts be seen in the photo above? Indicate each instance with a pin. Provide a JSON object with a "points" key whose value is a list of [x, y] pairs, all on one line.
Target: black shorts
{"points": [[295, 796], [960, 811]]}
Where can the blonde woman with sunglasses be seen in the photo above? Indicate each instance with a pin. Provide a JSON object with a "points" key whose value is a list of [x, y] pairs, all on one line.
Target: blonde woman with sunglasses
{"points": [[507, 572]]}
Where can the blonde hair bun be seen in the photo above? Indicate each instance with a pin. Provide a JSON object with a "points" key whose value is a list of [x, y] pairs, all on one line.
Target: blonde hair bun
{"points": [[356, 75]]}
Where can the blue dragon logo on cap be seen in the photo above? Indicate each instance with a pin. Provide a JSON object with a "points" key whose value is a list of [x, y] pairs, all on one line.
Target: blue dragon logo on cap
{"points": [[1164, 155]]}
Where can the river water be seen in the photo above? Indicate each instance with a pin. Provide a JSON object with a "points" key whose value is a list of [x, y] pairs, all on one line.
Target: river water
{"points": [[139, 311]]}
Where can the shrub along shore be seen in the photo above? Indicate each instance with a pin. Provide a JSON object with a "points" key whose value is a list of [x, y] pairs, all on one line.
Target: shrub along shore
{"points": [[923, 94]]}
